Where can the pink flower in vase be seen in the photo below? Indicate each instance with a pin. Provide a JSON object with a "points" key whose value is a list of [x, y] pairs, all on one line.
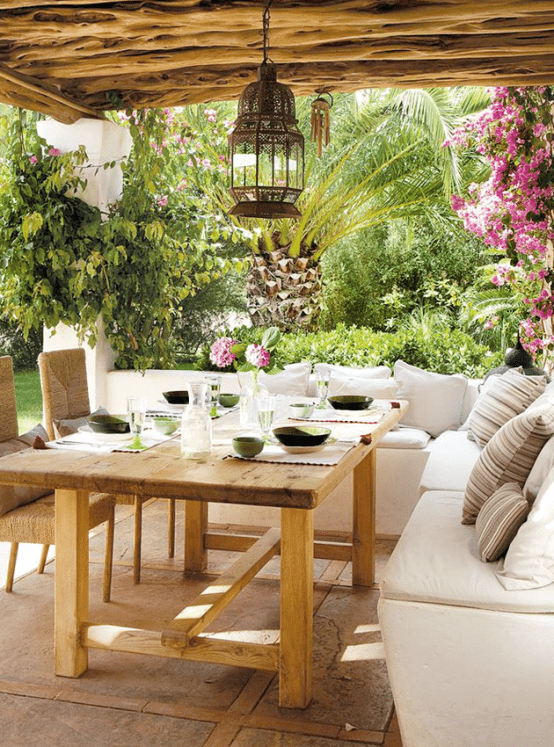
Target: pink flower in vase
{"points": [[257, 355], [220, 352]]}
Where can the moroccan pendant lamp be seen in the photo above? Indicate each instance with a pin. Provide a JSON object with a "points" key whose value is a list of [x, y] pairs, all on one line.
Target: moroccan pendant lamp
{"points": [[266, 146]]}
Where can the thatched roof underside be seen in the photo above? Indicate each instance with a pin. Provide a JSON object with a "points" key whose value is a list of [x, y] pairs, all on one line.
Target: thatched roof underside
{"points": [[75, 58]]}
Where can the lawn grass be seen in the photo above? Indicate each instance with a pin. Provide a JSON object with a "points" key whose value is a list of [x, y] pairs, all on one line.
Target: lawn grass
{"points": [[29, 399]]}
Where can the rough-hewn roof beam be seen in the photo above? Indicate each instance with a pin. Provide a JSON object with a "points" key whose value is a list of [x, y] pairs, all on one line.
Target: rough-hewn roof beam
{"points": [[169, 52]]}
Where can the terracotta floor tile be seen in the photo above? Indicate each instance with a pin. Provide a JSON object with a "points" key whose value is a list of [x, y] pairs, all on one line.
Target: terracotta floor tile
{"points": [[28, 721], [128, 700], [266, 738]]}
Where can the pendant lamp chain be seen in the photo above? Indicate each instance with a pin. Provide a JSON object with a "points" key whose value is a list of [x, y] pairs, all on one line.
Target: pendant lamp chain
{"points": [[265, 30]]}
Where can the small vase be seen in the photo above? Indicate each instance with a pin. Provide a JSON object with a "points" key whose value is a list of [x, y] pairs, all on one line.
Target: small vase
{"points": [[249, 397]]}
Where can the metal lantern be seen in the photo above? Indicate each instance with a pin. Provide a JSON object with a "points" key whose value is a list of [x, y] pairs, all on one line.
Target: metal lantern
{"points": [[266, 147]]}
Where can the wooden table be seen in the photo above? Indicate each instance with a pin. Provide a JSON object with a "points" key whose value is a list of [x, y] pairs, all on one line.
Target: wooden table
{"points": [[161, 472]]}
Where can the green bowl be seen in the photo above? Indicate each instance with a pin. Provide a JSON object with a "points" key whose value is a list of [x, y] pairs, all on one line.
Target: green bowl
{"points": [[108, 424], [350, 402], [301, 435], [248, 446], [165, 426], [228, 400]]}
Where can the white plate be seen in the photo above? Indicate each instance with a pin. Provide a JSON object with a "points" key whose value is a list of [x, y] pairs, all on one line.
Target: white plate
{"points": [[171, 408], [306, 449], [107, 437], [302, 449]]}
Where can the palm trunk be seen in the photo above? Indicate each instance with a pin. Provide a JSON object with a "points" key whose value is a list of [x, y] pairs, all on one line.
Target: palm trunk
{"points": [[284, 291]]}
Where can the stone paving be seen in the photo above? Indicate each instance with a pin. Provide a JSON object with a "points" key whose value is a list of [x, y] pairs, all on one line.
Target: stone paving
{"points": [[126, 700]]}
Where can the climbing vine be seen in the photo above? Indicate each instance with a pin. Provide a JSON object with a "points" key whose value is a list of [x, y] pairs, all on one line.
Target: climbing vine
{"points": [[64, 261]]}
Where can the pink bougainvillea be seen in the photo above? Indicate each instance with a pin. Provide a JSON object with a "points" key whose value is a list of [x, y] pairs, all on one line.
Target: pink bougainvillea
{"points": [[513, 211]]}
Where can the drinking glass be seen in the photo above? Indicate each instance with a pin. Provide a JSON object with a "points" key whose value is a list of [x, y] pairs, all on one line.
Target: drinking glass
{"points": [[266, 411], [214, 388], [323, 376], [136, 410]]}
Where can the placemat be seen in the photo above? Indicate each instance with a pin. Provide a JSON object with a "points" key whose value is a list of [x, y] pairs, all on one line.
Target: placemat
{"points": [[372, 415], [331, 454], [82, 442]]}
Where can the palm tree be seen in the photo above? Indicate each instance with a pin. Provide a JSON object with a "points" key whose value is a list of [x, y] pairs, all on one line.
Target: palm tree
{"points": [[386, 161]]}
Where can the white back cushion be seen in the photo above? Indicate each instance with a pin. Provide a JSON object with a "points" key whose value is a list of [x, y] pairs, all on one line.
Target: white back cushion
{"points": [[436, 400]]}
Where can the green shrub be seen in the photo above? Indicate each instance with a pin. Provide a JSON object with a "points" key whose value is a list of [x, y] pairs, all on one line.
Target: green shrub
{"points": [[445, 351], [24, 351]]}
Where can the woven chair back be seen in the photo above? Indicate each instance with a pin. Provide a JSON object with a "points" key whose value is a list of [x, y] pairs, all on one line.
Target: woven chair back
{"points": [[63, 378], [8, 421]]}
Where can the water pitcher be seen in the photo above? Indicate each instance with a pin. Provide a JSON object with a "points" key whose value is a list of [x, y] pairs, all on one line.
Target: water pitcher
{"points": [[196, 424]]}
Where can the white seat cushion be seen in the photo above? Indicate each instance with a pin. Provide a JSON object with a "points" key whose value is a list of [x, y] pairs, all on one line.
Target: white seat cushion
{"points": [[450, 462], [405, 438], [437, 561]]}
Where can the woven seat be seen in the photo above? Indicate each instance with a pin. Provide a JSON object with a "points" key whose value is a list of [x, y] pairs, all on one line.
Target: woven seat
{"points": [[35, 522], [65, 395]]}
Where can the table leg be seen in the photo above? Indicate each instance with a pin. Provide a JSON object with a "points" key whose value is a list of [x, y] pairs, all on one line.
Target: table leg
{"points": [[297, 605], [196, 524], [363, 527], [71, 598]]}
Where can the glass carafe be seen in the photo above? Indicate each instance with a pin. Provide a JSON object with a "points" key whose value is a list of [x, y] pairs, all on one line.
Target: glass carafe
{"points": [[196, 424]]}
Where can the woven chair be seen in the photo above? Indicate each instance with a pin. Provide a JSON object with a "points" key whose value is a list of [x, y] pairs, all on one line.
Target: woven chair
{"points": [[35, 522], [65, 396]]}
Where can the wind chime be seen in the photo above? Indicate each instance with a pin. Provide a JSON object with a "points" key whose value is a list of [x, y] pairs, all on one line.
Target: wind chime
{"points": [[320, 121]]}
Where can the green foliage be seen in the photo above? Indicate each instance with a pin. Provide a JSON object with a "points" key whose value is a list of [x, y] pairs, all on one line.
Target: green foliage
{"points": [[387, 273], [64, 262], [23, 350], [444, 351]]}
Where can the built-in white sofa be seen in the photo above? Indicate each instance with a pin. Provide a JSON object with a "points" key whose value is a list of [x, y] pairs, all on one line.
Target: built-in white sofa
{"points": [[470, 644]]}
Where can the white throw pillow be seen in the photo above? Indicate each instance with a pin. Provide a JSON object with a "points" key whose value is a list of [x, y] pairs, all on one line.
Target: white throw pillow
{"points": [[372, 372], [529, 562], [293, 380], [436, 400], [501, 400], [543, 465], [376, 388]]}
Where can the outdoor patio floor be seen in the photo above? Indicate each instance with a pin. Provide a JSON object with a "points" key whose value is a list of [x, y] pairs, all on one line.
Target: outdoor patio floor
{"points": [[126, 700]]}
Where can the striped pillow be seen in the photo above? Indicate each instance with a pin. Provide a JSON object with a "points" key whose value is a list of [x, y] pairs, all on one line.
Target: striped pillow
{"points": [[499, 519], [508, 457], [501, 400]]}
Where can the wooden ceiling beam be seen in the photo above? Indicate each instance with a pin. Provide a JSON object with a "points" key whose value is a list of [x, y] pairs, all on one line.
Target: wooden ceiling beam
{"points": [[28, 93], [114, 20], [200, 85], [512, 46]]}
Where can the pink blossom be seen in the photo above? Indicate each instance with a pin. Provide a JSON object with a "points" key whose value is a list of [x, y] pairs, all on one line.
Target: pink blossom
{"points": [[220, 352], [33, 159], [54, 152], [162, 202], [257, 355]]}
